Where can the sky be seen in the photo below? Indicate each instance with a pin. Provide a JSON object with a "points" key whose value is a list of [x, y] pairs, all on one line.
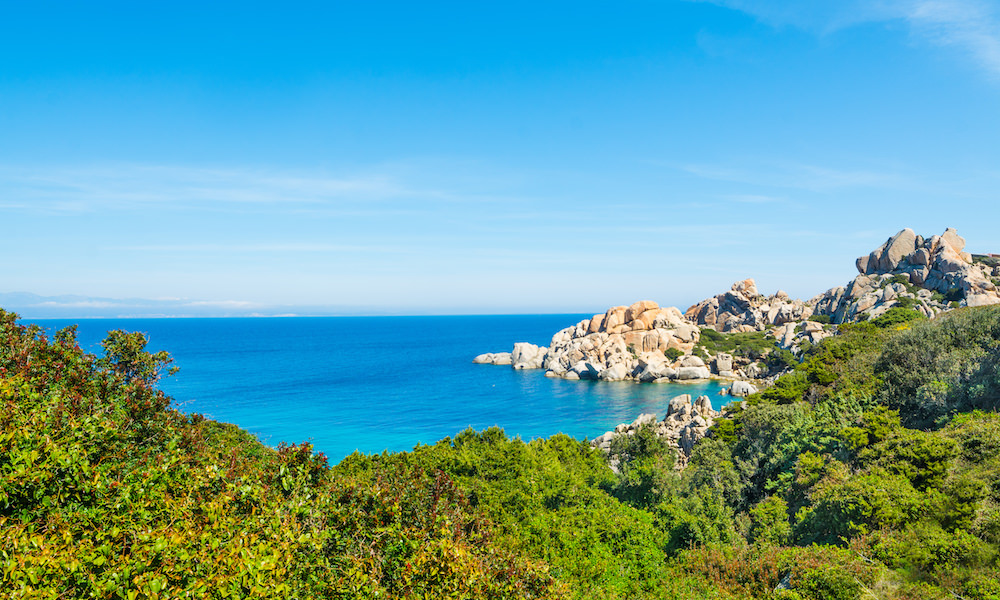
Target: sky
{"points": [[480, 157]]}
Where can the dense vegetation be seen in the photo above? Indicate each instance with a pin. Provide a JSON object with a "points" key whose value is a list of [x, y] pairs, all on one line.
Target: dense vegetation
{"points": [[105, 492], [871, 469]]}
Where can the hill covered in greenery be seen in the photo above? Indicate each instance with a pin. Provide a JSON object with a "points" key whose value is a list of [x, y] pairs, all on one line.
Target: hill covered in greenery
{"points": [[870, 470]]}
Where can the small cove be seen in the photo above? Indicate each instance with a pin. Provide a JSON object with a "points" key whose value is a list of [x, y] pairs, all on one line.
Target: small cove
{"points": [[381, 383]]}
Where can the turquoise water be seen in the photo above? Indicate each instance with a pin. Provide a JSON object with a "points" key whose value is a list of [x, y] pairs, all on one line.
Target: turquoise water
{"points": [[380, 383]]}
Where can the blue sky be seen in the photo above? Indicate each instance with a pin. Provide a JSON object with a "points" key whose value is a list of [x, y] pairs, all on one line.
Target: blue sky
{"points": [[457, 157]]}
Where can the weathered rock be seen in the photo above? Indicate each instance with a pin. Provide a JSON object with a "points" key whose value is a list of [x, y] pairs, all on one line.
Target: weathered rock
{"points": [[527, 356], [687, 373], [951, 237], [618, 337], [741, 389], [654, 371], [615, 372], [493, 358], [703, 406], [895, 249], [936, 264], [692, 361], [743, 308], [677, 403], [723, 363]]}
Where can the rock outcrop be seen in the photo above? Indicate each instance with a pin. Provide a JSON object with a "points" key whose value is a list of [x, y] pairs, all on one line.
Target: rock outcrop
{"points": [[790, 336], [741, 389], [743, 308], [493, 358], [930, 275], [640, 342], [626, 342], [684, 424]]}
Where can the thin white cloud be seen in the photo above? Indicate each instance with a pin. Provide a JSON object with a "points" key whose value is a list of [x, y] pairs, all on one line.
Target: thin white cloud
{"points": [[971, 26], [270, 247], [800, 176], [62, 190], [752, 199]]}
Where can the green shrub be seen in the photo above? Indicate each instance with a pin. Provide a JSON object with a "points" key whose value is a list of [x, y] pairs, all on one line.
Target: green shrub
{"points": [[769, 522], [939, 367], [645, 466], [897, 316], [754, 345]]}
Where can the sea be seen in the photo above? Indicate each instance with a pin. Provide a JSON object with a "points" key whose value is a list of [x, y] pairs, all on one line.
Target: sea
{"points": [[375, 384]]}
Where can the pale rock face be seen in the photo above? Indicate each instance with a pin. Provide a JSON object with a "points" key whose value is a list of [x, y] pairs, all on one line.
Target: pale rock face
{"points": [[692, 361], [862, 263], [954, 240], [615, 372], [747, 287], [527, 356], [741, 389], [723, 363], [899, 246], [653, 370], [920, 257], [811, 326], [687, 373], [502, 358], [677, 403]]}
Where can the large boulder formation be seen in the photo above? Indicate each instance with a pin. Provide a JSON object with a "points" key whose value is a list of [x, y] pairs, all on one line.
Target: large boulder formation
{"points": [[927, 274], [684, 424], [625, 342], [743, 308]]}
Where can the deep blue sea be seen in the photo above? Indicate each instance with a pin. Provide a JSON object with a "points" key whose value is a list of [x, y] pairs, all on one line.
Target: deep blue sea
{"points": [[380, 383]]}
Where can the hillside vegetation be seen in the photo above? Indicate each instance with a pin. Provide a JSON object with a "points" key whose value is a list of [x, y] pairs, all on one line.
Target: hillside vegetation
{"points": [[870, 470]]}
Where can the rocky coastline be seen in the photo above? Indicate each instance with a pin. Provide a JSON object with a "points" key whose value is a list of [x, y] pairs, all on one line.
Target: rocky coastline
{"points": [[647, 343]]}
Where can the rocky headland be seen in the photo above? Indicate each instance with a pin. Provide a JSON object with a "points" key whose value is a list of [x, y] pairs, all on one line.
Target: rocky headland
{"points": [[644, 342], [931, 275], [647, 343]]}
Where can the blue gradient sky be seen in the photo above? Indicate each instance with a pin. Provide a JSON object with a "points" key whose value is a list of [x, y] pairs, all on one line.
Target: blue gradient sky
{"points": [[477, 157]]}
